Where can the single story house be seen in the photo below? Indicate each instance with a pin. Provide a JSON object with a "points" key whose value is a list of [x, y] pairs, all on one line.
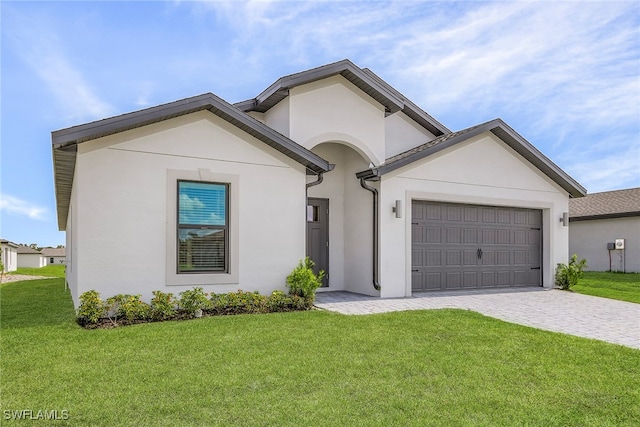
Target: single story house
{"points": [[604, 229], [54, 255], [29, 257], [332, 163], [9, 255]]}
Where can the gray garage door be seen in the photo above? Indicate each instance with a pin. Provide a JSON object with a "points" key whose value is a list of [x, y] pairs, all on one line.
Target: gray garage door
{"points": [[456, 246]]}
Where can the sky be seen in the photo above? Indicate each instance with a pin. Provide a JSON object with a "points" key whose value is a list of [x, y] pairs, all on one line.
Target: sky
{"points": [[564, 75]]}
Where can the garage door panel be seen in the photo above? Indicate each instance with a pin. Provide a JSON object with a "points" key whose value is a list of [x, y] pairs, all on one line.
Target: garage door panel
{"points": [[470, 279], [433, 235], [454, 258], [433, 212], [454, 235], [489, 279], [488, 236], [454, 280], [470, 235], [503, 236], [471, 214], [503, 278], [459, 246], [503, 258], [417, 258], [469, 258], [504, 216], [520, 237], [433, 281], [433, 258]]}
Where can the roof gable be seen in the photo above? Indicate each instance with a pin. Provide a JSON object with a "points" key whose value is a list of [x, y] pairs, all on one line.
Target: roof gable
{"points": [[499, 129], [65, 141], [364, 79]]}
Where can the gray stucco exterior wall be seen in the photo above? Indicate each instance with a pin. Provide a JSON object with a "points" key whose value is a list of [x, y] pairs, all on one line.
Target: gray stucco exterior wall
{"points": [[588, 239]]}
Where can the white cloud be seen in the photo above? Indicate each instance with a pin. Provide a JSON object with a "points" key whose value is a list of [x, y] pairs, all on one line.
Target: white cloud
{"points": [[15, 206]]}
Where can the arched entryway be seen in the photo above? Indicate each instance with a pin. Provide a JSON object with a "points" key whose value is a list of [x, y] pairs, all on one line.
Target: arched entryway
{"points": [[339, 221]]}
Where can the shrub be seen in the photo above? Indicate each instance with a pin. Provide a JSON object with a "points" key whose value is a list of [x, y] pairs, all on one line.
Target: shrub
{"points": [[163, 306], [91, 309], [568, 275], [278, 301], [303, 282], [193, 300], [239, 302], [129, 307]]}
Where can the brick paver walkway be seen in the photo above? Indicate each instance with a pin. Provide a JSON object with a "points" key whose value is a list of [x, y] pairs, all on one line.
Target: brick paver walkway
{"points": [[586, 316]]}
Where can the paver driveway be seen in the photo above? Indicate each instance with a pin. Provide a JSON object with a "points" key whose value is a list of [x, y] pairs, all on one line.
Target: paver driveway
{"points": [[586, 316]]}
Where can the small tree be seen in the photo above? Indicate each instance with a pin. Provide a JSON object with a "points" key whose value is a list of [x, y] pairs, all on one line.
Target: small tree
{"points": [[568, 275], [303, 282]]}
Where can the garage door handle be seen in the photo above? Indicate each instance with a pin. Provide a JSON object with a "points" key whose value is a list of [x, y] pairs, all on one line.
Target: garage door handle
{"points": [[479, 253]]}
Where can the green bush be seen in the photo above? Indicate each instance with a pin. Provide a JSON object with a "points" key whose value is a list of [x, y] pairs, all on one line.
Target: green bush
{"points": [[125, 309], [91, 309], [128, 307], [239, 302], [193, 300], [163, 306], [303, 282], [568, 275]]}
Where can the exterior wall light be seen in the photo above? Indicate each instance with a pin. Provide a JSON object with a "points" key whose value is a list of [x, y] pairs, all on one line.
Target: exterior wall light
{"points": [[397, 209], [564, 219]]}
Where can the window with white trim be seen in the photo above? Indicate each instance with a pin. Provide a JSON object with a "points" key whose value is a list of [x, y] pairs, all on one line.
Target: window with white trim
{"points": [[202, 227]]}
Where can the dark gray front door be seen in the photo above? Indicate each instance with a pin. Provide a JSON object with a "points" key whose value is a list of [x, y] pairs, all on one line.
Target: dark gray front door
{"points": [[318, 235], [458, 246]]}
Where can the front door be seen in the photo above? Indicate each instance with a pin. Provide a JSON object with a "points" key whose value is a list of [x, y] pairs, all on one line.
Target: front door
{"points": [[318, 235]]}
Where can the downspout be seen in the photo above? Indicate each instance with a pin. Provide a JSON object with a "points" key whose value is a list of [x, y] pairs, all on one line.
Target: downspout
{"points": [[376, 284], [317, 182]]}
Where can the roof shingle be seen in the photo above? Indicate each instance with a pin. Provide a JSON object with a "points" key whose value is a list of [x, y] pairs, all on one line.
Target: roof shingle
{"points": [[608, 204]]}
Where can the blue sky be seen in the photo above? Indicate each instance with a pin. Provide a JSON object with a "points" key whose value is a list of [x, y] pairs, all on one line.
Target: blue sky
{"points": [[565, 75]]}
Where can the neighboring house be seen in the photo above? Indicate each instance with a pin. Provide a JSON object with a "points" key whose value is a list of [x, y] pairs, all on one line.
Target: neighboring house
{"points": [[332, 163], [604, 229], [54, 255], [9, 255], [29, 257]]}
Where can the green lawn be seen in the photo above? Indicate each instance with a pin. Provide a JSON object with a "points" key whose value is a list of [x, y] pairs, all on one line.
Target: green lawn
{"points": [[440, 367], [621, 286], [54, 270]]}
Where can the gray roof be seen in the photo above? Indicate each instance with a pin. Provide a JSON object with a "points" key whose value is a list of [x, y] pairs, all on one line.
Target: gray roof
{"points": [[25, 250], [65, 141], [499, 129], [608, 204], [8, 243], [363, 78], [55, 252]]}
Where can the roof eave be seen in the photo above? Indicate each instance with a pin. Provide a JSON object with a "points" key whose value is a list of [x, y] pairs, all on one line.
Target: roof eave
{"points": [[511, 138], [65, 141], [278, 90]]}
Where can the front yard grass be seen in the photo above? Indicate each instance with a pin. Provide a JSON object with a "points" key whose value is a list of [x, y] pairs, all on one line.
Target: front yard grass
{"points": [[439, 367], [620, 286], [53, 270]]}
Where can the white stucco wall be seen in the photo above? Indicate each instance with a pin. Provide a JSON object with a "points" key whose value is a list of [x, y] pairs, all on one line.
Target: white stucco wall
{"points": [[588, 239], [402, 134], [57, 260], [334, 109], [118, 222], [482, 171], [31, 260], [350, 220], [9, 258]]}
